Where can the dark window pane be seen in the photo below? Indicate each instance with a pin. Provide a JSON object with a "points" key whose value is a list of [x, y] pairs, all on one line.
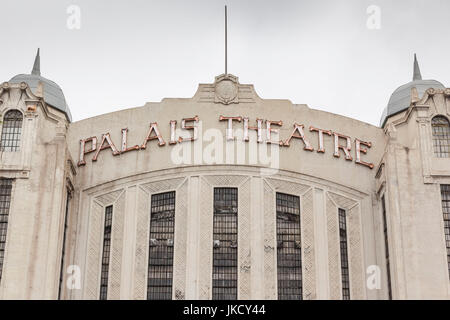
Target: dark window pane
{"points": [[344, 255], [445, 193], [5, 198], [441, 136], [289, 251], [224, 285], [106, 253], [11, 131], [160, 258]]}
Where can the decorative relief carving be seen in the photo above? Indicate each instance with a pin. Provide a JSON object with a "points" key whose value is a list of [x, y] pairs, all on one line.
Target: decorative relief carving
{"points": [[430, 94], [226, 89], [287, 186], [179, 272], [357, 275], [354, 240], [162, 185], [3, 92], [141, 252], [206, 239], [109, 198], [15, 99], [92, 280], [22, 97], [341, 201], [244, 258], [307, 229], [334, 265], [270, 266], [447, 105], [432, 91], [225, 180], [438, 105], [95, 243], [115, 272]]}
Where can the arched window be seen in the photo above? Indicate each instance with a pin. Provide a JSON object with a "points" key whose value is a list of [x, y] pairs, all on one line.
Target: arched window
{"points": [[441, 136], [11, 131]]}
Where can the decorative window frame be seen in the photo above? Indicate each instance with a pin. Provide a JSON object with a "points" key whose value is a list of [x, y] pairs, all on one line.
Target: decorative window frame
{"points": [[2, 115], [355, 247], [432, 117], [305, 194], [208, 183], [95, 235], [148, 246]]}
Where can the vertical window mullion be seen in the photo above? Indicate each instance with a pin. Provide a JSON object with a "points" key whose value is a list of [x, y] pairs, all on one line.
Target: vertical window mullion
{"points": [[5, 202], [225, 244], [344, 254], [160, 258], [106, 253], [289, 249]]}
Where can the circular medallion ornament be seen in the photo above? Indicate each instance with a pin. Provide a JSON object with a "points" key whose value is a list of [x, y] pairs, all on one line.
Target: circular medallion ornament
{"points": [[226, 91]]}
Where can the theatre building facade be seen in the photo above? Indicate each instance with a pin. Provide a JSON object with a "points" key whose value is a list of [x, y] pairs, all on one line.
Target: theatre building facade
{"points": [[224, 195]]}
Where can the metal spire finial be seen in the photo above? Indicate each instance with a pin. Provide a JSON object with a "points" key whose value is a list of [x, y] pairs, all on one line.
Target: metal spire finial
{"points": [[226, 46], [37, 64], [416, 75]]}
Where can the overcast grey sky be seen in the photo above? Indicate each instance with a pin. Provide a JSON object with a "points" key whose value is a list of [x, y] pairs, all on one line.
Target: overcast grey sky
{"points": [[319, 52]]}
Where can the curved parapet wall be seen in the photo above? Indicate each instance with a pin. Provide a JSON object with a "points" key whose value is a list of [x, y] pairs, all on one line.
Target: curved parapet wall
{"points": [[225, 136], [161, 135]]}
